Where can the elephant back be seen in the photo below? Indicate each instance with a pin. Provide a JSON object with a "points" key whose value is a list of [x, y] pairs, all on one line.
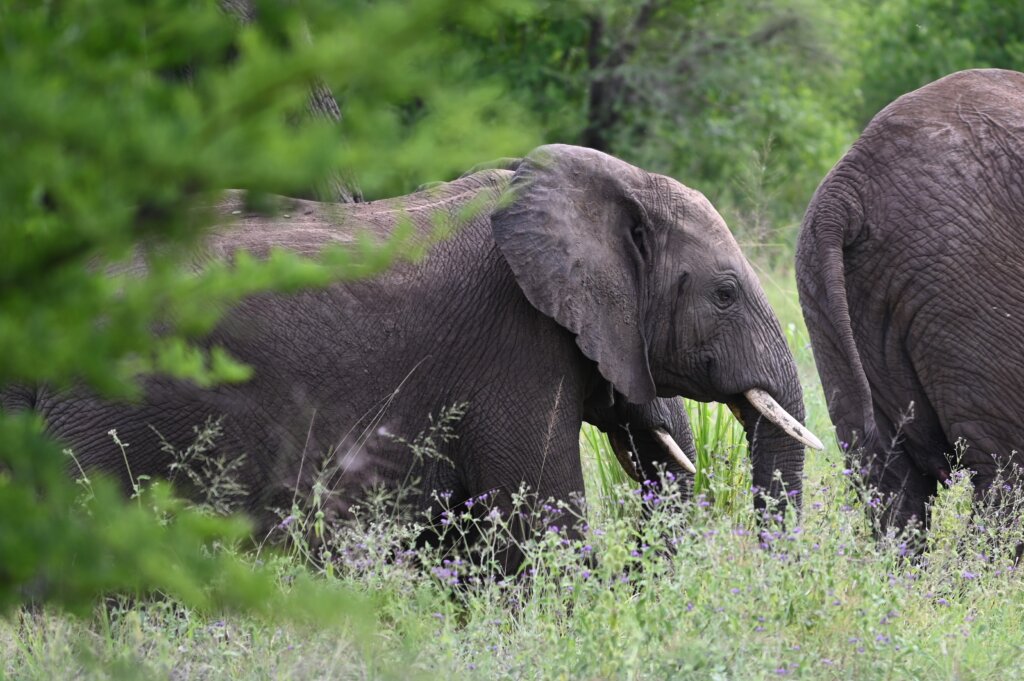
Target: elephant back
{"points": [[306, 227], [963, 129], [951, 100]]}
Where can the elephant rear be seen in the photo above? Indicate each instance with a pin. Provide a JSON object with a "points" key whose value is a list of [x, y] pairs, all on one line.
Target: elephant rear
{"points": [[907, 267]]}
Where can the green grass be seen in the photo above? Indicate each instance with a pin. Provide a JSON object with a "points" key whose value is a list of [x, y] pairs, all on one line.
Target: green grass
{"points": [[693, 592]]}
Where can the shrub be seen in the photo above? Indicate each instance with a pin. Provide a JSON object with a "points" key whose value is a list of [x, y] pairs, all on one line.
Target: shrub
{"points": [[122, 124]]}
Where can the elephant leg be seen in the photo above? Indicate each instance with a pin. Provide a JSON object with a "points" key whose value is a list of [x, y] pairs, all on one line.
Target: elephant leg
{"points": [[905, 457], [997, 476], [897, 491], [901, 494], [532, 477], [991, 455], [538, 501], [972, 385], [982, 423]]}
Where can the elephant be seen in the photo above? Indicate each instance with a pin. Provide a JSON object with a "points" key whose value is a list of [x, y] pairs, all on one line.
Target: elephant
{"points": [[580, 285], [909, 263]]}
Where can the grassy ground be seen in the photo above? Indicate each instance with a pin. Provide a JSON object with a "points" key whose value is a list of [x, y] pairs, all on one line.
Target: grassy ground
{"points": [[692, 592]]}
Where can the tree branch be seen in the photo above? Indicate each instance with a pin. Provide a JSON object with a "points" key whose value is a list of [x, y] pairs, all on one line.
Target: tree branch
{"points": [[606, 88]]}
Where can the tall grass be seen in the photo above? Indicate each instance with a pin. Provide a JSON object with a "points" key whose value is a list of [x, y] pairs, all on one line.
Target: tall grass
{"points": [[688, 592], [604, 475], [723, 467]]}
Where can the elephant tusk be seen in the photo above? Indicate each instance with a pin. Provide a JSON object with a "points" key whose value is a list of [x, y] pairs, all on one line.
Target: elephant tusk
{"points": [[774, 412], [675, 450], [627, 460], [625, 456]]}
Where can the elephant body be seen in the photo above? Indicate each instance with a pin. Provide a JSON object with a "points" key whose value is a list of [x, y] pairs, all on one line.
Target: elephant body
{"points": [[562, 297], [910, 269]]}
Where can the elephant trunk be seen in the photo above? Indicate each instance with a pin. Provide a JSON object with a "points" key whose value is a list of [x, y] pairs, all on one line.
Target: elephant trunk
{"points": [[777, 457]]}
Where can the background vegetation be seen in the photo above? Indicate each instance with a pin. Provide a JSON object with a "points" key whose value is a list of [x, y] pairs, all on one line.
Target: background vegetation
{"points": [[750, 101], [121, 123]]}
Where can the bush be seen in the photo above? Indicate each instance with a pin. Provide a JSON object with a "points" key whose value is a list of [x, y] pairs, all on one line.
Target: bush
{"points": [[122, 124]]}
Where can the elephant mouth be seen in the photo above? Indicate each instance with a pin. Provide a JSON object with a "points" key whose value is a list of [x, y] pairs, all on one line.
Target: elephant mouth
{"points": [[766, 405]]}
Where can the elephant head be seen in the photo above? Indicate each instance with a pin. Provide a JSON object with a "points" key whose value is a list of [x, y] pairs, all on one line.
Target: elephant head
{"points": [[647, 276]]}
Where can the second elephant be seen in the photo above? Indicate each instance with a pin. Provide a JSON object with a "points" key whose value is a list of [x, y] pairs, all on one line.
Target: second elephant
{"points": [[910, 269]]}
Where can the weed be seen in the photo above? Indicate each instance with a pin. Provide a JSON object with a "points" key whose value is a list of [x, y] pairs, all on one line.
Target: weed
{"points": [[137, 483], [213, 476]]}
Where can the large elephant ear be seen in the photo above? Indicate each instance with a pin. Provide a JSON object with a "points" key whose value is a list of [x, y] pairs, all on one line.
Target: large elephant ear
{"points": [[576, 235]]}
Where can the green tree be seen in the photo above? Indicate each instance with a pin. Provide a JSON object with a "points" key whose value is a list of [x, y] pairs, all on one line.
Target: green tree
{"points": [[114, 160], [909, 43], [745, 100]]}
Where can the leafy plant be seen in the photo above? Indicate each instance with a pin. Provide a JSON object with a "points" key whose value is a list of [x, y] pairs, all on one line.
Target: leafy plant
{"points": [[122, 125]]}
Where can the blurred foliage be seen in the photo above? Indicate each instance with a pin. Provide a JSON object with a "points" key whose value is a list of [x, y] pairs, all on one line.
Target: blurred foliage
{"points": [[122, 124], [750, 101], [909, 43], [743, 100], [66, 543]]}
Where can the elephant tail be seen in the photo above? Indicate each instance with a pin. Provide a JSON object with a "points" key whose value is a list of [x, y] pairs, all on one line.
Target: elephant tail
{"points": [[830, 225]]}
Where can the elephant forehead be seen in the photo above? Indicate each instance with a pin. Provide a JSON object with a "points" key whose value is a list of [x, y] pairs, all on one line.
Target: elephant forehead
{"points": [[684, 206], [703, 228]]}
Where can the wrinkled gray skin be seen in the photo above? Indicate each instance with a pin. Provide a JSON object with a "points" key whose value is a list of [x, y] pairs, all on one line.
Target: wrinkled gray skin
{"points": [[581, 277], [909, 267]]}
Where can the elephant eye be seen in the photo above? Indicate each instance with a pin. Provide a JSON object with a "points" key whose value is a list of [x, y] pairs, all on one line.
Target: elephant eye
{"points": [[725, 295]]}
